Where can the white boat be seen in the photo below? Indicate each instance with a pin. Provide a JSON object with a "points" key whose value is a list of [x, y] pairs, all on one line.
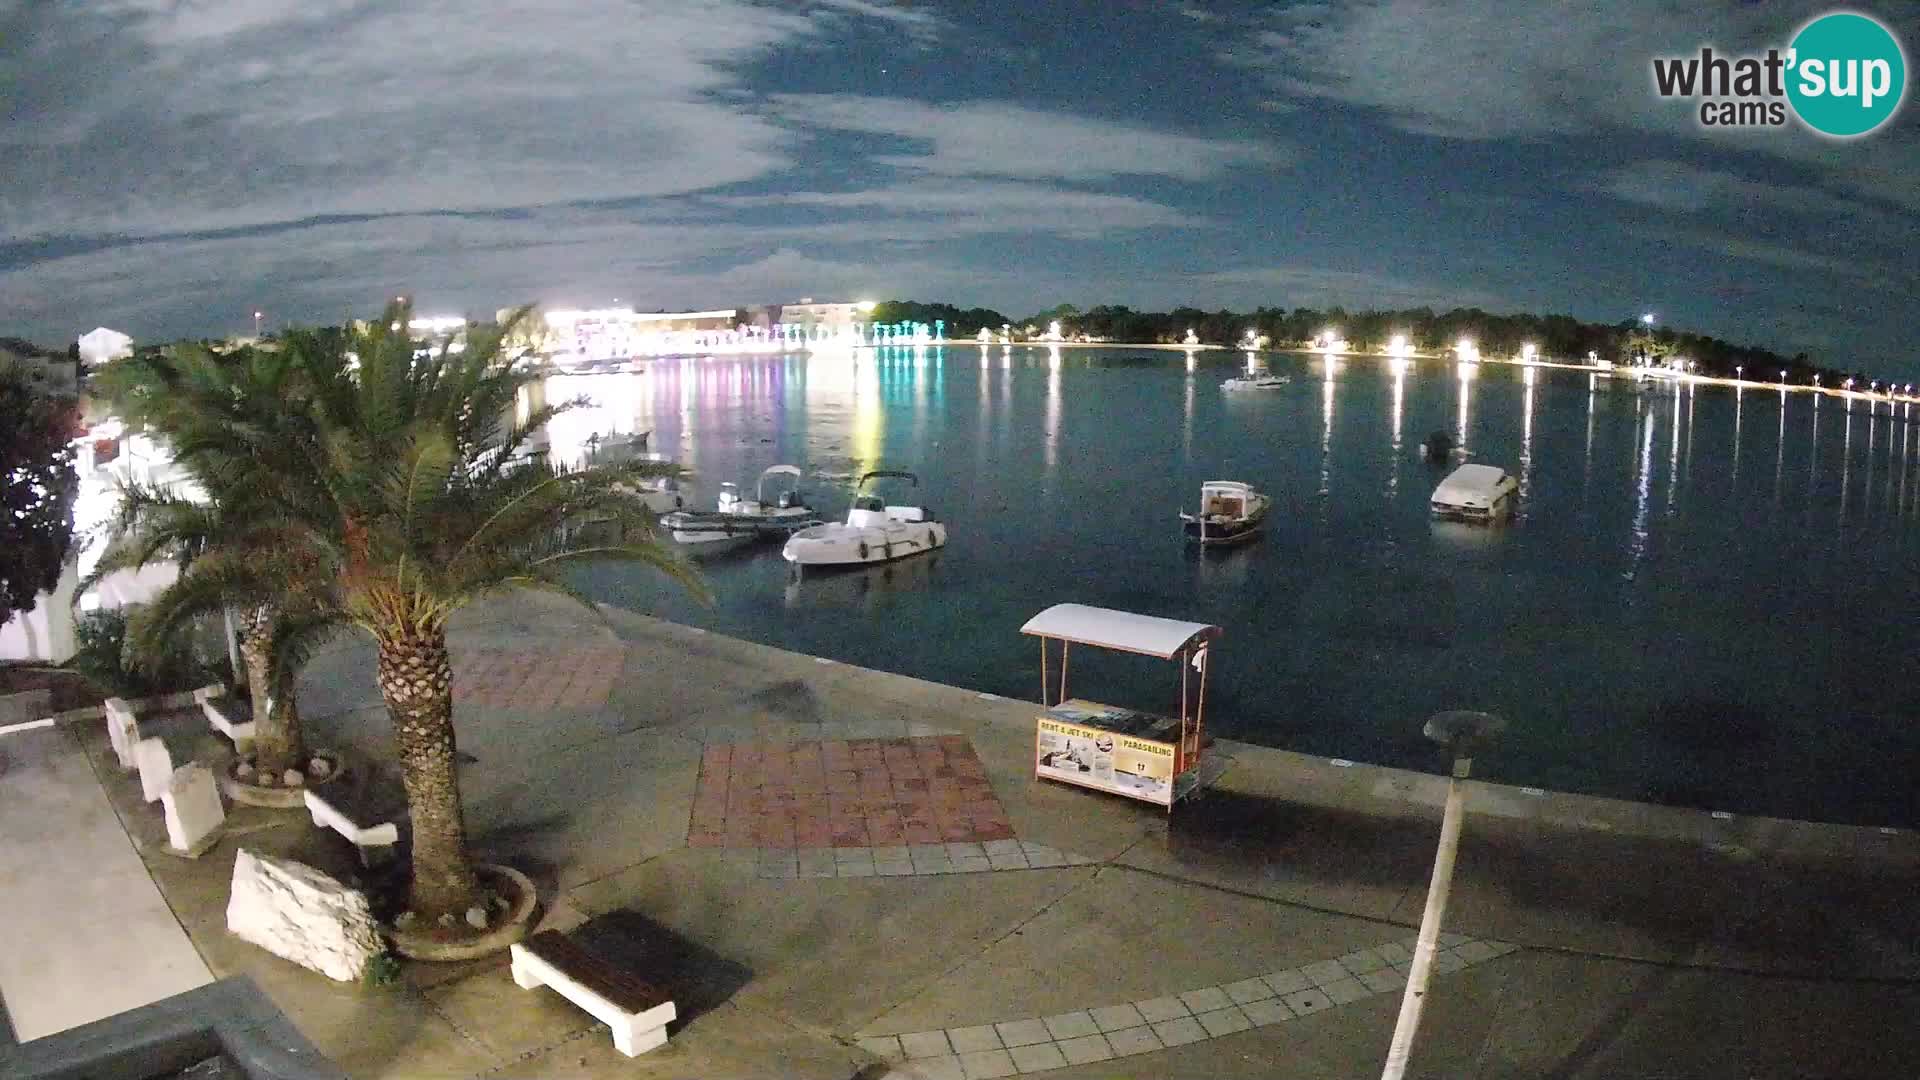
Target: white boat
{"points": [[874, 531], [1476, 493], [782, 514], [1230, 512], [1256, 382], [661, 494]]}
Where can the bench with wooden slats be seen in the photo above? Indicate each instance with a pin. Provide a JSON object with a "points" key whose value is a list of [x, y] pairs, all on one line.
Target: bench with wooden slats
{"points": [[637, 1011]]}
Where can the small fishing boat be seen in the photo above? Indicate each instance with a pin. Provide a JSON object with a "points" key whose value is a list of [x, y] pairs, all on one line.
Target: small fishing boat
{"points": [[1256, 382], [735, 518], [874, 531], [1476, 493], [661, 494], [1230, 513]]}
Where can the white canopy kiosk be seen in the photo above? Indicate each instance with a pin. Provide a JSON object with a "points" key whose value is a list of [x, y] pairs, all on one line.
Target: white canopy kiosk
{"points": [[1123, 751]]}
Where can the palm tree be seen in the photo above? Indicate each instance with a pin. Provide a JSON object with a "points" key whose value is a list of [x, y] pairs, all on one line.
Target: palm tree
{"points": [[224, 419], [410, 486]]}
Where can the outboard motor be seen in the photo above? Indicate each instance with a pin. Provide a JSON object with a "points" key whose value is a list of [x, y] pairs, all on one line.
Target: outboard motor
{"points": [[1438, 447]]}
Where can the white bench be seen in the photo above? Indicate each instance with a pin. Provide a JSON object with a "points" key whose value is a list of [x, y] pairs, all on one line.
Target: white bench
{"points": [[353, 820], [123, 731], [224, 714], [637, 1011]]}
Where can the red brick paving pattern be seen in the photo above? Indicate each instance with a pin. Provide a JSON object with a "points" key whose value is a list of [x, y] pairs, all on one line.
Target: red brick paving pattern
{"points": [[581, 678], [845, 793]]}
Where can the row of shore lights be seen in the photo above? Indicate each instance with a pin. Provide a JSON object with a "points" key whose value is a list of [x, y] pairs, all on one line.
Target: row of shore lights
{"points": [[1329, 343]]}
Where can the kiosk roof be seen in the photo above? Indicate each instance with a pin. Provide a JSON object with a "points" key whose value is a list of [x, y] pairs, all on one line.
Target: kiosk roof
{"points": [[1124, 630]]}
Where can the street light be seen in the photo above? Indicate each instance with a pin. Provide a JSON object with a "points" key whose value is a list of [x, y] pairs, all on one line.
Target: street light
{"points": [[256, 322], [1460, 732]]}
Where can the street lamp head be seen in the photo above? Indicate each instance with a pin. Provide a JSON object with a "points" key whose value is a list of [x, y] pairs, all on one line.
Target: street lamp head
{"points": [[1647, 318]]}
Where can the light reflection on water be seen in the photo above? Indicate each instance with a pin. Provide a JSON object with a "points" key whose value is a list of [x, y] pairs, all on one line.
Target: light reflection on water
{"points": [[1707, 654]]}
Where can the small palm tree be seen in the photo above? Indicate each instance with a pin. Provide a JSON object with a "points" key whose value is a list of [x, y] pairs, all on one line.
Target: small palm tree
{"points": [[225, 420], [424, 503]]}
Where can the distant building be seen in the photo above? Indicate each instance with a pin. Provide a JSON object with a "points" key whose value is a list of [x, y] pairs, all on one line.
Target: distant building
{"points": [[816, 320], [616, 333], [103, 346]]}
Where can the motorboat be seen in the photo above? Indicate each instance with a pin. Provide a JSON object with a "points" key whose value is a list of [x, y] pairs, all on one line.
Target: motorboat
{"points": [[661, 493], [782, 513], [1230, 513], [874, 531], [1476, 493], [866, 587], [1256, 382]]}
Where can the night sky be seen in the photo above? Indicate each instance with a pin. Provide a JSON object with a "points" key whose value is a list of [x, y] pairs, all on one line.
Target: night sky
{"points": [[170, 166]]}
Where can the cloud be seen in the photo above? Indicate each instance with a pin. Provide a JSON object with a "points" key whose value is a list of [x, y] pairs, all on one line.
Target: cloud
{"points": [[1793, 226], [1683, 187], [1483, 70], [670, 254], [991, 138], [1313, 286], [942, 206], [922, 24], [152, 116], [1480, 69]]}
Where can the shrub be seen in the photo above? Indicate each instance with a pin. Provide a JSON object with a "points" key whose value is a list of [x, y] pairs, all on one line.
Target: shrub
{"points": [[105, 659]]}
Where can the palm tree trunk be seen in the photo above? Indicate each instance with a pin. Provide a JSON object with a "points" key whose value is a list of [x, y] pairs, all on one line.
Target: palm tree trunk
{"points": [[416, 678], [277, 744]]}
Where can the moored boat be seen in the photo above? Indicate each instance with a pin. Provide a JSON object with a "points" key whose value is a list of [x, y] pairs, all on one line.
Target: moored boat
{"points": [[1476, 493], [874, 531], [781, 514], [1231, 512], [1256, 382]]}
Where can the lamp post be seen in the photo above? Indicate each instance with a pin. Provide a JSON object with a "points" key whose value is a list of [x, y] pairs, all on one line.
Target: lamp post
{"points": [[257, 316], [1460, 732]]}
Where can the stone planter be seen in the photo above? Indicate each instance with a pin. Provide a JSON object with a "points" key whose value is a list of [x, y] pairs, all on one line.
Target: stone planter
{"points": [[279, 796], [462, 942]]}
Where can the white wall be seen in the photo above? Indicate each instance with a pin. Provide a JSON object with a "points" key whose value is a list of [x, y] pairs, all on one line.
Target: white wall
{"points": [[46, 632]]}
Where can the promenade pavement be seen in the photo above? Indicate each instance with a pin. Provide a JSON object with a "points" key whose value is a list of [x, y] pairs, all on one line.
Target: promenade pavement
{"points": [[698, 803]]}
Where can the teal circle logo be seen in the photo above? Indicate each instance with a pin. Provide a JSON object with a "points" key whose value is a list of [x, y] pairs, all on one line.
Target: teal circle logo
{"points": [[1846, 74]]}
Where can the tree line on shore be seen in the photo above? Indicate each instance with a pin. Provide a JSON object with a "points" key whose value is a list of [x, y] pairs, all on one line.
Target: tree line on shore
{"points": [[1558, 337]]}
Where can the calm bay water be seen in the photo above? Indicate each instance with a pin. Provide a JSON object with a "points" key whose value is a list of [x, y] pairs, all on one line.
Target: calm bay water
{"points": [[1703, 601]]}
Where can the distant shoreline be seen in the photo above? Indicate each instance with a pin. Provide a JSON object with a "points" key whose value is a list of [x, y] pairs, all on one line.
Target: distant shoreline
{"points": [[1650, 374]]}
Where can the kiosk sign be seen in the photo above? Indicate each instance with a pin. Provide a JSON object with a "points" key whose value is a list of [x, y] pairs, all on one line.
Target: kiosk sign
{"points": [[1092, 757]]}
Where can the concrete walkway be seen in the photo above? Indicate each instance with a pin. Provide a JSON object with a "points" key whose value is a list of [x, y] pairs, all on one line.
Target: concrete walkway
{"points": [[85, 933], [1258, 931]]}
